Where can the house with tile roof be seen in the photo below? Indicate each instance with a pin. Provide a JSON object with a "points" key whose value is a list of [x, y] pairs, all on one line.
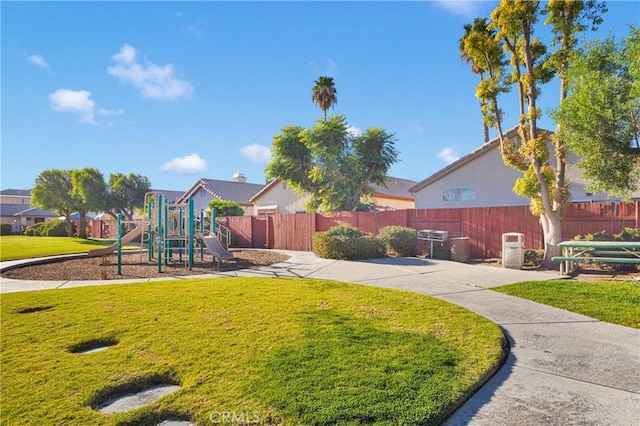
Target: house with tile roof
{"points": [[277, 198], [481, 179], [237, 189], [15, 208]]}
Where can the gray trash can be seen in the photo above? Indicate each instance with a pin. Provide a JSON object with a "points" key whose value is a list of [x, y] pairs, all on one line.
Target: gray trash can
{"points": [[460, 249], [512, 250]]}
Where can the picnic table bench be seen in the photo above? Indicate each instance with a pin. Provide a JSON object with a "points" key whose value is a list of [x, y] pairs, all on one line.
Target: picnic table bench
{"points": [[597, 251]]}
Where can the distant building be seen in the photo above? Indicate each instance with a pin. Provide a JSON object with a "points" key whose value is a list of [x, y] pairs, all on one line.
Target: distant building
{"points": [[15, 208], [237, 189], [277, 198]]}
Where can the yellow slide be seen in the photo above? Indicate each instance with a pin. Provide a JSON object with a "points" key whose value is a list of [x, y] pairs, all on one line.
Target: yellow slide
{"points": [[129, 237]]}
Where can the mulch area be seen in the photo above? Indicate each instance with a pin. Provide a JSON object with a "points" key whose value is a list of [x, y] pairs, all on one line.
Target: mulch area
{"points": [[135, 265]]}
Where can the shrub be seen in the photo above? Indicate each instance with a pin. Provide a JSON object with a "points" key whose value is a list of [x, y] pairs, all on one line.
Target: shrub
{"points": [[5, 228], [441, 252], [627, 234], [34, 230], [596, 236], [54, 228], [533, 257], [347, 243], [400, 240]]}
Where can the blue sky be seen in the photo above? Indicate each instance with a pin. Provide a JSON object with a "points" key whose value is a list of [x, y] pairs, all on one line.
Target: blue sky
{"points": [[178, 91]]}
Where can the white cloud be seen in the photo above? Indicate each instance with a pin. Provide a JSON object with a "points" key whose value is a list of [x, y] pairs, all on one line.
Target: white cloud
{"points": [[185, 165], [74, 101], [38, 61], [354, 131], [448, 155], [153, 81], [79, 102], [464, 8], [256, 153]]}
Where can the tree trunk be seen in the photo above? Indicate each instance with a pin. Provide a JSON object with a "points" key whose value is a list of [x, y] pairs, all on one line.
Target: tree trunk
{"points": [[552, 230], [69, 223], [82, 232]]}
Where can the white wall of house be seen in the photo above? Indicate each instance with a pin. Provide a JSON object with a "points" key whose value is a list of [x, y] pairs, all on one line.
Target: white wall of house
{"points": [[486, 177], [15, 199], [486, 182], [282, 196]]}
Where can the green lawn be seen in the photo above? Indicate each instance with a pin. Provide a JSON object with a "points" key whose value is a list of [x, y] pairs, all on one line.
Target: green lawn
{"points": [[21, 247], [617, 302], [289, 351]]}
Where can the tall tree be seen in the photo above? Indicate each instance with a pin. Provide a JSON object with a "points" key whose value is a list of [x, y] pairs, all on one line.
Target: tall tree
{"points": [[484, 54], [600, 119], [91, 193], [324, 94], [127, 193], [333, 165], [543, 180], [53, 191]]}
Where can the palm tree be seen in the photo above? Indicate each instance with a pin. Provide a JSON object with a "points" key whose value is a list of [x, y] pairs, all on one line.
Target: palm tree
{"points": [[466, 45], [324, 94]]}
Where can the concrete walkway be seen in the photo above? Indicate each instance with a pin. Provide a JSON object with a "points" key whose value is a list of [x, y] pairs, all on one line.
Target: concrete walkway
{"points": [[563, 368]]}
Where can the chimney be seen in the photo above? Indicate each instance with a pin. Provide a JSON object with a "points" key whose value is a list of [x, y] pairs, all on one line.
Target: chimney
{"points": [[238, 177]]}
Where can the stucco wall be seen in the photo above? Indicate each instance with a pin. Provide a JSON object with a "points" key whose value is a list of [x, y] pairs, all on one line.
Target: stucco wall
{"points": [[286, 199], [493, 184], [487, 175]]}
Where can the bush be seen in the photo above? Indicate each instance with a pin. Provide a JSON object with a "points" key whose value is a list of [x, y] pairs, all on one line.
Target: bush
{"points": [[627, 234], [347, 243], [34, 230], [533, 257], [441, 252], [400, 240], [5, 228], [597, 236], [54, 228]]}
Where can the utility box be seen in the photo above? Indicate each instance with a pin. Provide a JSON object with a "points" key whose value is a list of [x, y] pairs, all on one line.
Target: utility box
{"points": [[460, 249], [512, 250]]}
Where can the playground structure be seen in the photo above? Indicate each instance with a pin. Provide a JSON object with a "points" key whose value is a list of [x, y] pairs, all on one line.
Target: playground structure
{"points": [[168, 229]]}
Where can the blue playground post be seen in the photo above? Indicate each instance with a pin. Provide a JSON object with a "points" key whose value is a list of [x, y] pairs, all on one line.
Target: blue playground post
{"points": [[119, 243]]}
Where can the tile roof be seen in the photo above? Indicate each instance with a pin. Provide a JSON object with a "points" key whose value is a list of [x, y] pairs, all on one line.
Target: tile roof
{"points": [[35, 211], [7, 209], [396, 187], [240, 192], [16, 192]]}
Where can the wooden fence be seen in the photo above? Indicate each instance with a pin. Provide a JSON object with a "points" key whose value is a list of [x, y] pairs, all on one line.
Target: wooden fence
{"points": [[483, 226]]}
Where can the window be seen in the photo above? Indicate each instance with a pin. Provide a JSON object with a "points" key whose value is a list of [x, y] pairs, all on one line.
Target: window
{"points": [[459, 194]]}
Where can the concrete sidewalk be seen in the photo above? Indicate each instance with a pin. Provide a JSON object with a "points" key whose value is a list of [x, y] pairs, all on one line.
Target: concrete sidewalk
{"points": [[563, 368]]}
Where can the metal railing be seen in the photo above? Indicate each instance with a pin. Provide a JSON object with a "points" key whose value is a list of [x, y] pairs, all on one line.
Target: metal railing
{"points": [[224, 235]]}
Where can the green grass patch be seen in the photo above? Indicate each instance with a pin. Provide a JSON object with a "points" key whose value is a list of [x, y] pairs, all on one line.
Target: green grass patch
{"points": [[281, 351], [617, 302], [14, 247]]}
